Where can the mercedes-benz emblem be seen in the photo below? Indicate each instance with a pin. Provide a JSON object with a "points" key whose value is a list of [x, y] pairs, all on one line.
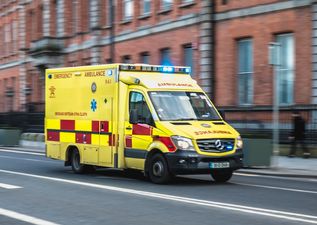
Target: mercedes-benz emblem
{"points": [[205, 125], [219, 145]]}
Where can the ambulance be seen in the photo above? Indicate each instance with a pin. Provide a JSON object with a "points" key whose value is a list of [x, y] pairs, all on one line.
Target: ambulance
{"points": [[151, 118]]}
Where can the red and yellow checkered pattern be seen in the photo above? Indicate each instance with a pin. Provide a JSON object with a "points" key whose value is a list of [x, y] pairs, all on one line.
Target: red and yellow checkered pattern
{"points": [[80, 131]]}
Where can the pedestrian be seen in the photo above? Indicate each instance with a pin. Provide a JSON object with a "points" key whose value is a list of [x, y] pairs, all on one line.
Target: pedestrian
{"points": [[298, 135]]}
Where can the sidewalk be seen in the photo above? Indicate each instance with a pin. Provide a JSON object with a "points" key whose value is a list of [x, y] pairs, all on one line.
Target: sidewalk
{"points": [[289, 167], [285, 166]]}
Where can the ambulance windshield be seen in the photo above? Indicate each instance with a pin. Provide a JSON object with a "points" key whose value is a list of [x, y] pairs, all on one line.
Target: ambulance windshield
{"points": [[179, 105]]}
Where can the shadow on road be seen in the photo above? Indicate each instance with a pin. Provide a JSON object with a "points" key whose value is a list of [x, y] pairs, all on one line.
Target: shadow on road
{"points": [[137, 176]]}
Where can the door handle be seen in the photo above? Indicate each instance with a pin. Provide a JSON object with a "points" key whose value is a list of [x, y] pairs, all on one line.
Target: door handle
{"points": [[128, 128]]}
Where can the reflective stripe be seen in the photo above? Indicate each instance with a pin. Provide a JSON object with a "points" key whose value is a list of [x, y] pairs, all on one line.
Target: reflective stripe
{"points": [[128, 141], [83, 138], [141, 129], [112, 140], [104, 126], [95, 126], [53, 135], [67, 124]]}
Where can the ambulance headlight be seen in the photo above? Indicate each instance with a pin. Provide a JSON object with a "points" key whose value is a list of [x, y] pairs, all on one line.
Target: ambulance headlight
{"points": [[183, 143], [239, 142]]}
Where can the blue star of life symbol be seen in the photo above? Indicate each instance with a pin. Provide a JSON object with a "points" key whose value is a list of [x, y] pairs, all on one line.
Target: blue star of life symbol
{"points": [[93, 105]]}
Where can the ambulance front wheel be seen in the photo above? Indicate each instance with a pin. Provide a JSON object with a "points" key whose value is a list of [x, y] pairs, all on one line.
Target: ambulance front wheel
{"points": [[221, 176], [75, 160], [158, 169]]}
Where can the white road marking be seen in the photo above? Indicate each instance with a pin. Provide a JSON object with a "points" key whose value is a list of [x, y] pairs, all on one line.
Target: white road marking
{"points": [[233, 207], [34, 160], [9, 186], [277, 188], [21, 152], [25, 218]]}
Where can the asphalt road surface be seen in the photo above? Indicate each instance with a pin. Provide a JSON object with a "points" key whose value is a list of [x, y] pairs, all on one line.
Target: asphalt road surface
{"points": [[37, 190]]}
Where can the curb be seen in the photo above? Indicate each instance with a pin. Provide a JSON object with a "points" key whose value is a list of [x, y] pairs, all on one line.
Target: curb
{"points": [[279, 173]]}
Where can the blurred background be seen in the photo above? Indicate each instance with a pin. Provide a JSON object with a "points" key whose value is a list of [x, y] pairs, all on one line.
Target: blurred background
{"points": [[226, 42]]}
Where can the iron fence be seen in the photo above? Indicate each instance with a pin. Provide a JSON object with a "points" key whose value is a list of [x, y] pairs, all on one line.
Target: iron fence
{"points": [[251, 122], [257, 122]]}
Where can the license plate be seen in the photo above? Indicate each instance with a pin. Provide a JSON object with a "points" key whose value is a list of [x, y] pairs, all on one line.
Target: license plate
{"points": [[217, 165]]}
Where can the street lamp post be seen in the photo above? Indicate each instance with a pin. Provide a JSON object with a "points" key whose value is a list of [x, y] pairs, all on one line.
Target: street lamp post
{"points": [[274, 60]]}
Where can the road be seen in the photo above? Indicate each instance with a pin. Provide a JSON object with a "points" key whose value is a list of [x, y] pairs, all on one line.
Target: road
{"points": [[37, 190]]}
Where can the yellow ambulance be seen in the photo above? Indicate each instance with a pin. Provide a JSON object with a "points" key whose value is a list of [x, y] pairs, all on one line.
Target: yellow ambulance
{"points": [[155, 119]]}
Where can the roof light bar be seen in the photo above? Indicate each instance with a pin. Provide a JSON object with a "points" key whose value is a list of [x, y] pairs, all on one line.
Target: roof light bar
{"points": [[160, 69]]}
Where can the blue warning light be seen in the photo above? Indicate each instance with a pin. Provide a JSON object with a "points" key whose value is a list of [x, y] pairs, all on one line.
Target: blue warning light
{"points": [[167, 69], [187, 70]]}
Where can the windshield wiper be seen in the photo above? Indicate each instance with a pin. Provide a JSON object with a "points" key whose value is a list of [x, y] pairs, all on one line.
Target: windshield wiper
{"points": [[209, 119], [183, 119]]}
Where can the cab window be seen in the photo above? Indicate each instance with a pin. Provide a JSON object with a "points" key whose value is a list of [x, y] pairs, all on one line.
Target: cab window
{"points": [[137, 101]]}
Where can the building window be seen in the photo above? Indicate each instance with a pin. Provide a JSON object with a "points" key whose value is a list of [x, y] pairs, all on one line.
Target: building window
{"points": [[126, 59], [93, 14], [166, 57], [188, 57], [285, 71], [187, 1], [7, 38], [109, 12], [224, 2], [127, 9], [15, 36], [74, 16], [146, 6], [59, 26], [166, 4], [245, 71], [145, 57]]}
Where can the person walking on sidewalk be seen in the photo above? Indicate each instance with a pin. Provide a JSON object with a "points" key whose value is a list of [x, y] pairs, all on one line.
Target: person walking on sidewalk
{"points": [[298, 135]]}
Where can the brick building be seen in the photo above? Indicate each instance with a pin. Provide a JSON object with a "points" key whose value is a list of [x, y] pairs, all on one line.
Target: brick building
{"points": [[225, 42], [244, 78], [39, 34]]}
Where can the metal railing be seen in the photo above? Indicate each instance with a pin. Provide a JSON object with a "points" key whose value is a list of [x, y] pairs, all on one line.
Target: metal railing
{"points": [[257, 122]]}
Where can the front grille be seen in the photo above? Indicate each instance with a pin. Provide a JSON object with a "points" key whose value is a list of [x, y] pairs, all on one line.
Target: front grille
{"points": [[215, 145]]}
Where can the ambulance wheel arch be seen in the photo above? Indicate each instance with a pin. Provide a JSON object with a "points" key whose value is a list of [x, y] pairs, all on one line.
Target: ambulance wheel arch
{"points": [[68, 154], [156, 167], [155, 147], [74, 160]]}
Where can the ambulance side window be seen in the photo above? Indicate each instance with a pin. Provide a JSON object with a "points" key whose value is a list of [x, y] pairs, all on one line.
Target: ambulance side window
{"points": [[138, 102]]}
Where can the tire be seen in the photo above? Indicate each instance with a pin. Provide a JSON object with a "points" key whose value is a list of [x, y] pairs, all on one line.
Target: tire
{"points": [[77, 167], [158, 169], [221, 176]]}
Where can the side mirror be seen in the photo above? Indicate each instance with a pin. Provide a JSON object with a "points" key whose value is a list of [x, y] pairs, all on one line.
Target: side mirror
{"points": [[222, 114], [133, 116]]}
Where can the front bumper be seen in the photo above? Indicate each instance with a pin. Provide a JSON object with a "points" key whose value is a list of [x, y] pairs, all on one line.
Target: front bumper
{"points": [[185, 162]]}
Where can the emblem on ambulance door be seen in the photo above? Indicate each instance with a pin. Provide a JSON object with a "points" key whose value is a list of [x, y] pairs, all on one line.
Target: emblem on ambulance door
{"points": [[93, 87], [52, 91]]}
